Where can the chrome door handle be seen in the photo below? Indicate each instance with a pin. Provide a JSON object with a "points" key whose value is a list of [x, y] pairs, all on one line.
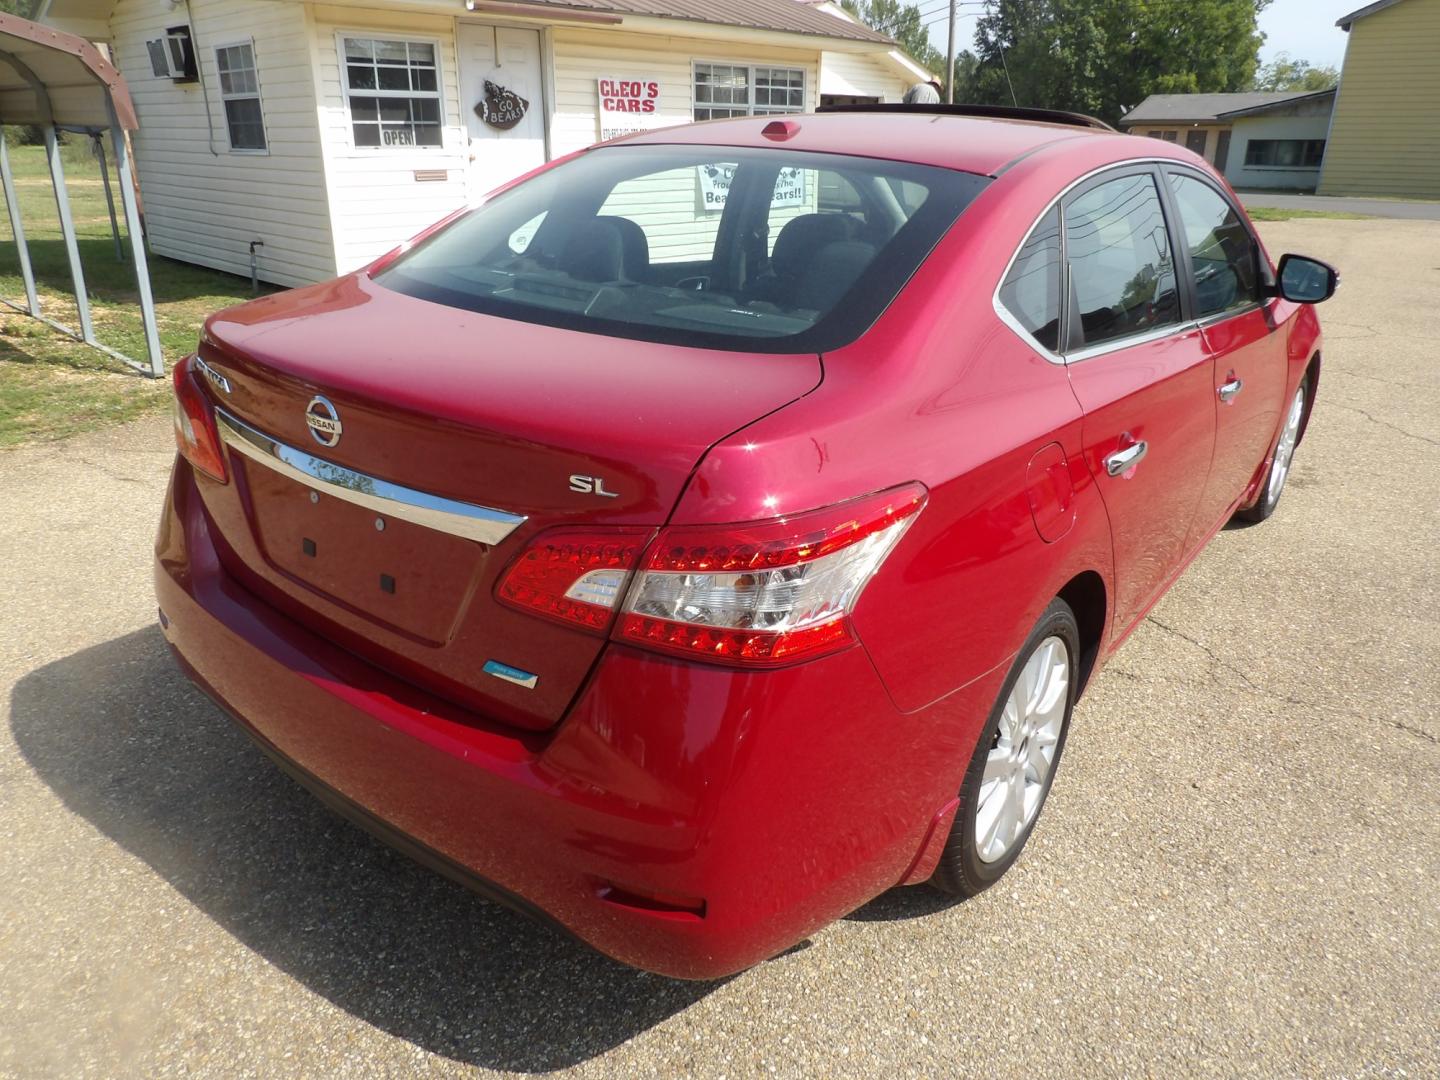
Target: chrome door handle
{"points": [[1228, 390], [1123, 460]]}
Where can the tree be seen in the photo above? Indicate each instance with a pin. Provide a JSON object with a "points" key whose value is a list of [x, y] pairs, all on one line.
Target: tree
{"points": [[1105, 56], [24, 8], [901, 22], [1283, 73]]}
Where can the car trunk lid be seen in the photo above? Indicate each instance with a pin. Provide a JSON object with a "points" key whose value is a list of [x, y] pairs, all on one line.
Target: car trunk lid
{"points": [[457, 438]]}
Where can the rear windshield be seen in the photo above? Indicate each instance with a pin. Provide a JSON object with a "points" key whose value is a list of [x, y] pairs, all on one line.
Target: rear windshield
{"points": [[763, 250]]}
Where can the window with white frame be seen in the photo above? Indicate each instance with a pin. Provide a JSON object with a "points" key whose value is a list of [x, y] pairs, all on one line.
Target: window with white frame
{"points": [[240, 93], [724, 90], [393, 89]]}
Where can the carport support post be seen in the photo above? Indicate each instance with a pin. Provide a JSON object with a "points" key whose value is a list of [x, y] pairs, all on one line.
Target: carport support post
{"points": [[67, 230], [137, 242], [109, 196], [17, 227]]}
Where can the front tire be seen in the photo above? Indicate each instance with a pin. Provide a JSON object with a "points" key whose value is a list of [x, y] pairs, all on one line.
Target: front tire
{"points": [[1015, 759], [1280, 462]]}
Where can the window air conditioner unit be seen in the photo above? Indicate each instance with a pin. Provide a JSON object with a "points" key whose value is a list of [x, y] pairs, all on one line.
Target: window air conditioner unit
{"points": [[173, 56]]}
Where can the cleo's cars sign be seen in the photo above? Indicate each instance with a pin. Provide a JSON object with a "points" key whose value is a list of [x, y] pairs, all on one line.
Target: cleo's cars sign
{"points": [[627, 105]]}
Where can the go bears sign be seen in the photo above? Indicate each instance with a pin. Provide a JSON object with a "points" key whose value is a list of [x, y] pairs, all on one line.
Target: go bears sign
{"points": [[627, 105]]}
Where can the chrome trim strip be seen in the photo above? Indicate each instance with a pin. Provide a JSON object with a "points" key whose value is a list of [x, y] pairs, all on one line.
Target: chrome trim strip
{"points": [[468, 520], [1100, 348], [1229, 313]]}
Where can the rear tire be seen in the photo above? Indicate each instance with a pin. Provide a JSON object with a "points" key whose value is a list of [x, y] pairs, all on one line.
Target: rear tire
{"points": [[1281, 460], [1015, 759]]}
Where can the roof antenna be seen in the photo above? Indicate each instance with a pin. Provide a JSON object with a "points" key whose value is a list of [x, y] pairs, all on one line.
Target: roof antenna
{"points": [[1007, 76]]}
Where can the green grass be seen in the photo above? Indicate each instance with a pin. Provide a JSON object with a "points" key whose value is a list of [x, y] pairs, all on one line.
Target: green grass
{"points": [[50, 385], [1275, 213]]}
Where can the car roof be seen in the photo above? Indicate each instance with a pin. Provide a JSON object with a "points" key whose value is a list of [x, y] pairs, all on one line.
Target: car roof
{"points": [[970, 144]]}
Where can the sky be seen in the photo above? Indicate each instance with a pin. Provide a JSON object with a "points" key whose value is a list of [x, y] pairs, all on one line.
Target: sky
{"points": [[1303, 28]]}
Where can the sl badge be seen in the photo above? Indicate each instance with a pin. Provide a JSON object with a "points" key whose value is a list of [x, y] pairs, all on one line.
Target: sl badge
{"points": [[501, 108]]}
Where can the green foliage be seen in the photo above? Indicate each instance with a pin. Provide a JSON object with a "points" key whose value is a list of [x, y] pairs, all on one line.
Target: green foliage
{"points": [[24, 8], [1105, 56], [903, 23], [1283, 73]]}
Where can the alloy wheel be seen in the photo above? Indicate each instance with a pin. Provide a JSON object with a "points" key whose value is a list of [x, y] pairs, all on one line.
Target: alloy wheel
{"points": [[1018, 768], [1285, 448]]}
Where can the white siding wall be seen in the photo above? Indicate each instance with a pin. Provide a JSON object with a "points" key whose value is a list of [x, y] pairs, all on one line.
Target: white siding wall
{"points": [[1273, 127], [860, 75], [205, 207], [583, 56], [668, 207], [375, 199]]}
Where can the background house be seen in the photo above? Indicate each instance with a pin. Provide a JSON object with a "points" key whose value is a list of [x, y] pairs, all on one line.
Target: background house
{"points": [[1385, 139], [1257, 140], [320, 135]]}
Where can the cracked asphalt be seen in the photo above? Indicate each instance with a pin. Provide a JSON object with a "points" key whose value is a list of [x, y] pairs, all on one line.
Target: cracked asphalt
{"points": [[1238, 873]]}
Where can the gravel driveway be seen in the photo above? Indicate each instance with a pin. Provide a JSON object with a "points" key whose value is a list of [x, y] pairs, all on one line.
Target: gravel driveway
{"points": [[1238, 872]]}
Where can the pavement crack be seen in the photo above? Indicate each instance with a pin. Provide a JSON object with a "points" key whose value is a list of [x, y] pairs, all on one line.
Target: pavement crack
{"points": [[111, 473], [1331, 325], [1419, 733], [1219, 662], [1383, 382], [1385, 423]]}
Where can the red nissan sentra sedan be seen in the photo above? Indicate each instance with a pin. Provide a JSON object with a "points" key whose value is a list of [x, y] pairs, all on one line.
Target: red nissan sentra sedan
{"points": [[716, 528]]}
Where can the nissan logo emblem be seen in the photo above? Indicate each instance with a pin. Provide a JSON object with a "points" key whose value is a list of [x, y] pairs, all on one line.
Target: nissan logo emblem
{"points": [[323, 421]]}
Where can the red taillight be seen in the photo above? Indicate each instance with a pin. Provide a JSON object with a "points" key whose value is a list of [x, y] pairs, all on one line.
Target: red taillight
{"points": [[574, 576], [765, 593], [195, 431]]}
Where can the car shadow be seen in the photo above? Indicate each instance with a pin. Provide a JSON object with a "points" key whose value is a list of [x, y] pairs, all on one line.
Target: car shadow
{"points": [[905, 902], [126, 742]]}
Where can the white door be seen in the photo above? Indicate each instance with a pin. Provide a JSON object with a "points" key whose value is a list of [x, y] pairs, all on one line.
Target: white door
{"points": [[502, 96]]}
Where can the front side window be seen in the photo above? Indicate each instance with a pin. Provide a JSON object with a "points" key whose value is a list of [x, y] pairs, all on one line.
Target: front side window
{"points": [[1222, 253], [726, 90], [1121, 269], [240, 93], [758, 249], [1031, 290], [393, 89], [1285, 153]]}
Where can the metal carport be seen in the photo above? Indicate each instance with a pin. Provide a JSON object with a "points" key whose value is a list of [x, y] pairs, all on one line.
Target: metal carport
{"points": [[58, 81]]}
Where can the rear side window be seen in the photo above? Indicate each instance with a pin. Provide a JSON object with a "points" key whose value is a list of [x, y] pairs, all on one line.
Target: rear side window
{"points": [[1222, 254], [758, 249], [1121, 266], [1031, 290]]}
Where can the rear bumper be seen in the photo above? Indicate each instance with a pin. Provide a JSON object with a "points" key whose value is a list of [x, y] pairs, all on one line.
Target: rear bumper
{"points": [[757, 807]]}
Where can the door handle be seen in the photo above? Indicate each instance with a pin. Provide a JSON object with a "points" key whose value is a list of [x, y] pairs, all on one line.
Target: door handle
{"points": [[1124, 460], [1229, 390]]}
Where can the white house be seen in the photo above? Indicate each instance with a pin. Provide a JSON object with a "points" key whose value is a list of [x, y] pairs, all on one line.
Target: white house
{"points": [[320, 135], [1258, 140]]}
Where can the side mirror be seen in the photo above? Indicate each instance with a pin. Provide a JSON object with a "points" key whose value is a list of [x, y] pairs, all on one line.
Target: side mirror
{"points": [[1306, 281]]}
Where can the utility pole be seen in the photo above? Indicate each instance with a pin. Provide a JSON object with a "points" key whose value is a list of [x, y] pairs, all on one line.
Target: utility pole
{"points": [[950, 60]]}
